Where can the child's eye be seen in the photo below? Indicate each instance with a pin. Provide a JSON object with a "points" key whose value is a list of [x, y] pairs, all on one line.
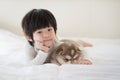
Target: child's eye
{"points": [[39, 32], [49, 29]]}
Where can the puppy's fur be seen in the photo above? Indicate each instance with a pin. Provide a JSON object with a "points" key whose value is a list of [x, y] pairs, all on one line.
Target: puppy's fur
{"points": [[65, 51]]}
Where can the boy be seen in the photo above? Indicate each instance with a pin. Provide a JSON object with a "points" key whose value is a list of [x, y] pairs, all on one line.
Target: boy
{"points": [[39, 27]]}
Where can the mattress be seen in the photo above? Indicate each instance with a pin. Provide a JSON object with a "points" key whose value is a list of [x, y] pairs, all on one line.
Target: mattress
{"points": [[104, 54]]}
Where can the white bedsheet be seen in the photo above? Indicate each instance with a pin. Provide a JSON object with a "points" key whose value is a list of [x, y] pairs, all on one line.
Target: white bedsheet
{"points": [[104, 54]]}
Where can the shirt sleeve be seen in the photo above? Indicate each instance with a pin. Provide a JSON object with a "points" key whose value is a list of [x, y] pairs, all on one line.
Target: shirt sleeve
{"points": [[34, 57], [39, 58]]}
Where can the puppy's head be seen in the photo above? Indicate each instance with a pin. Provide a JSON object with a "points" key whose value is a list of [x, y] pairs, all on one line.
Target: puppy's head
{"points": [[66, 52]]}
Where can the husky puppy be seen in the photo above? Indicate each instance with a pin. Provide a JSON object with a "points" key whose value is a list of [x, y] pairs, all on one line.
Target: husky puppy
{"points": [[67, 52]]}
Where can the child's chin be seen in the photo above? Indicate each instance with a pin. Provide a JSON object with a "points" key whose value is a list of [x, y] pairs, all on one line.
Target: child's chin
{"points": [[48, 45]]}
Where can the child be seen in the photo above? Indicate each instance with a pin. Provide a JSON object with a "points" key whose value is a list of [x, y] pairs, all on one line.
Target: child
{"points": [[39, 27]]}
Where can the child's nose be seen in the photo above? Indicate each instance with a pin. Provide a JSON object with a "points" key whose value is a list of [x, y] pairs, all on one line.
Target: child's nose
{"points": [[45, 34]]}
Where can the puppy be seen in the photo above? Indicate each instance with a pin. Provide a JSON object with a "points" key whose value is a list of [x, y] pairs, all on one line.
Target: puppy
{"points": [[67, 52]]}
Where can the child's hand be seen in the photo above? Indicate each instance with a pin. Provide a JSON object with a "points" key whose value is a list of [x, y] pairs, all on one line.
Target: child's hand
{"points": [[84, 61], [40, 46], [85, 44]]}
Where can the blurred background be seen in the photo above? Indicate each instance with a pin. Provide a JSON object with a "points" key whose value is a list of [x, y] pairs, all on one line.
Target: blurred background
{"points": [[75, 18]]}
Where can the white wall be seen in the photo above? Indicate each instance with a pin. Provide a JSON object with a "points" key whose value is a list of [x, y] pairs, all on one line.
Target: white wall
{"points": [[75, 18]]}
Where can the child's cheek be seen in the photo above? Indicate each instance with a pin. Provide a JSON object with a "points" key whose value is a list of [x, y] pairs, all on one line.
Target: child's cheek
{"points": [[38, 38]]}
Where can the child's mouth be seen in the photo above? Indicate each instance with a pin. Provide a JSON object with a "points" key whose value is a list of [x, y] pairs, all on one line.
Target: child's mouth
{"points": [[48, 42]]}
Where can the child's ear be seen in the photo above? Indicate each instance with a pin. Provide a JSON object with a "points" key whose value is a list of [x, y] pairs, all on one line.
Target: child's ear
{"points": [[28, 38]]}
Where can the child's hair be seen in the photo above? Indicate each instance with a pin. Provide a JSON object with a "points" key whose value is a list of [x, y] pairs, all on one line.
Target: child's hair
{"points": [[38, 19]]}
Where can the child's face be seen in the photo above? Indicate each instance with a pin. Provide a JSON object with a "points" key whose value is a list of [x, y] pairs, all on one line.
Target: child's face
{"points": [[44, 36]]}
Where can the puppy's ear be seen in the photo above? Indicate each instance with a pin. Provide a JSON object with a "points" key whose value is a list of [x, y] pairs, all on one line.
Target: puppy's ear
{"points": [[60, 50]]}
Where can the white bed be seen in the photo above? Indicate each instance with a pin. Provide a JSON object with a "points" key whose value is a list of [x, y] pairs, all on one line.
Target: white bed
{"points": [[104, 54]]}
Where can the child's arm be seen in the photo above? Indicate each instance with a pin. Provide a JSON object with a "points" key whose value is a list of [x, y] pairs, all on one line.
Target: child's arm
{"points": [[85, 44], [86, 60], [39, 58]]}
